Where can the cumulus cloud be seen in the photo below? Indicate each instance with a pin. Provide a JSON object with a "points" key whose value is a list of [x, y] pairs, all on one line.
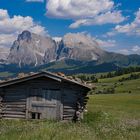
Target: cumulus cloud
{"points": [[3, 14], [6, 39], [34, 0], [84, 12], [136, 49], [10, 27], [109, 17], [124, 51], [132, 50], [132, 28], [107, 43]]}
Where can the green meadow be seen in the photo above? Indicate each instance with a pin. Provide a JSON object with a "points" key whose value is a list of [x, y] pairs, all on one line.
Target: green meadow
{"points": [[109, 117], [126, 86]]}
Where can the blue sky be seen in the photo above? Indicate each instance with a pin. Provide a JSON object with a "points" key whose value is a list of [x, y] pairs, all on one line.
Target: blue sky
{"points": [[114, 24]]}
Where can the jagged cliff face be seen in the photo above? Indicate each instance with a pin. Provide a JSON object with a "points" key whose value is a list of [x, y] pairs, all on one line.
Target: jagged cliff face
{"points": [[32, 49], [80, 47]]}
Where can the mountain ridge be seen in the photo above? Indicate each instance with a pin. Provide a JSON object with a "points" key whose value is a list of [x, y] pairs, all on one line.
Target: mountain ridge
{"points": [[32, 50]]}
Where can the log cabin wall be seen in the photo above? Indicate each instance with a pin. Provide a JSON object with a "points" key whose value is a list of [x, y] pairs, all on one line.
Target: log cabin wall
{"points": [[13, 103], [0, 105], [42, 98], [73, 100], [39, 97]]}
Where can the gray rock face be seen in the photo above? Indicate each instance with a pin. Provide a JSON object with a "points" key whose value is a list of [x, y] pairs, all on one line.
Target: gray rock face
{"points": [[32, 49], [80, 47]]}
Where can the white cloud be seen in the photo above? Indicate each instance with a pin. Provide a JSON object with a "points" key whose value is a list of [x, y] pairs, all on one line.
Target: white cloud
{"points": [[136, 49], [109, 17], [10, 27], [84, 12], [77, 9], [3, 14], [106, 44], [132, 28], [6, 39], [18, 24], [132, 50], [124, 51], [34, 0]]}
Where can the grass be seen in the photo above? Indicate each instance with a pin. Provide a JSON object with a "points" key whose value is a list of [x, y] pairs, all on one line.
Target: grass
{"points": [[109, 117], [129, 86], [5, 74]]}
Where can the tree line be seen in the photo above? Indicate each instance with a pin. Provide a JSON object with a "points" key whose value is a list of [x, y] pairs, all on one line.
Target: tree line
{"points": [[120, 72]]}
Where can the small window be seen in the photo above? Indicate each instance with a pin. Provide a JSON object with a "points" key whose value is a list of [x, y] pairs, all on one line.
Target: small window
{"points": [[36, 115], [33, 115]]}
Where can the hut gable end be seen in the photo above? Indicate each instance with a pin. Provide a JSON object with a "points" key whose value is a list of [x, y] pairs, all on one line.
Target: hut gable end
{"points": [[42, 96]]}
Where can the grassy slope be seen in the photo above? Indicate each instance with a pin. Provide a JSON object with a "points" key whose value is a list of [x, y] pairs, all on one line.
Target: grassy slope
{"points": [[109, 117], [5, 74], [121, 87]]}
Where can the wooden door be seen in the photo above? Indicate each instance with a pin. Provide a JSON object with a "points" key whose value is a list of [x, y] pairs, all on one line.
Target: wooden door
{"points": [[44, 103]]}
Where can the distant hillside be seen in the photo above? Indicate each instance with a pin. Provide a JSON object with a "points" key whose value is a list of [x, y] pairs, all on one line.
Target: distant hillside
{"points": [[74, 67]]}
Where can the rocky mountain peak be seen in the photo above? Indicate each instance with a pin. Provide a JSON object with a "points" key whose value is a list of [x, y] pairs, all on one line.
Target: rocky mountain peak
{"points": [[79, 46], [25, 35], [79, 40], [33, 49]]}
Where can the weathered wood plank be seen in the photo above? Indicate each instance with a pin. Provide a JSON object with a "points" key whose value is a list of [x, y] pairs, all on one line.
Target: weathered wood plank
{"points": [[15, 96], [69, 111], [13, 116], [14, 109], [13, 106], [14, 102], [69, 107], [13, 112]]}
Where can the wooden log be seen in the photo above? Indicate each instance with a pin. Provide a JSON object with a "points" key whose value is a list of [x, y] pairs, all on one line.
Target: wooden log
{"points": [[13, 112], [14, 97], [69, 110], [68, 115], [44, 105], [70, 106], [13, 116], [13, 102], [14, 106]]}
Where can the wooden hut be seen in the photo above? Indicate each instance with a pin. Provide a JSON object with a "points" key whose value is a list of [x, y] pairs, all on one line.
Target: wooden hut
{"points": [[42, 95]]}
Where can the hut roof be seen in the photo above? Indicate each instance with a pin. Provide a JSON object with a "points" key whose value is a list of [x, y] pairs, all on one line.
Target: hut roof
{"points": [[50, 75]]}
